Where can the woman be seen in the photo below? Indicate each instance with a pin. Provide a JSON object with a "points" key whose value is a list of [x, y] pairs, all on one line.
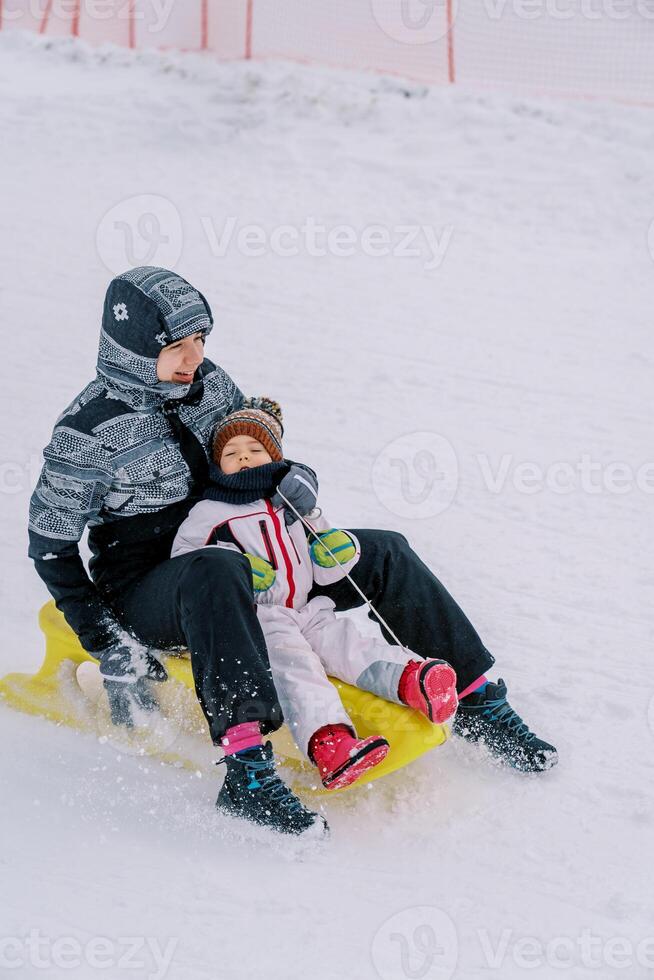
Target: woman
{"points": [[128, 458]]}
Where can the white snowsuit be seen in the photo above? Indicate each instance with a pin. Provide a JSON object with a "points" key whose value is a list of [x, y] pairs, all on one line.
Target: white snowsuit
{"points": [[305, 639]]}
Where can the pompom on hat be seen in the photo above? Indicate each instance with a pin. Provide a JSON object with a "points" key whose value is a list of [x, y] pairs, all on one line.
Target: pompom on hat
{"points": [[260, 418]]}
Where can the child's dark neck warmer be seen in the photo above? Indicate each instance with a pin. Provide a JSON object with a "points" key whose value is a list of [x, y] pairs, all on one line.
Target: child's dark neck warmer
{"points": [[246, 486]]}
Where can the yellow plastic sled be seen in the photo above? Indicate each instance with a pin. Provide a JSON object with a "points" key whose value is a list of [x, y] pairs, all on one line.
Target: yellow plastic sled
{"points": [[68, 690]]}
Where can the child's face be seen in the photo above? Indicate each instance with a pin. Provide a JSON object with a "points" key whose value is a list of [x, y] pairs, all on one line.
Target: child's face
{"points": [[243, 453]]}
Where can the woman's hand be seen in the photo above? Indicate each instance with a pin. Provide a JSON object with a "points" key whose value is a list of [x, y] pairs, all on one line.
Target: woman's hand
{"points": [[127, 675], [300, 488]]}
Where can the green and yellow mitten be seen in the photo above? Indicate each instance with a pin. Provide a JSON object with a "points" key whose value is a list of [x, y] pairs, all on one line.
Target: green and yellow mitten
{"points": [[339, 543], [263, 574]]}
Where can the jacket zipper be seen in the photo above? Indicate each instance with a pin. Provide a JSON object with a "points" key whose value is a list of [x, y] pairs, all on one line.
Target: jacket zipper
{"points": [[287, 558], [268, 544]]}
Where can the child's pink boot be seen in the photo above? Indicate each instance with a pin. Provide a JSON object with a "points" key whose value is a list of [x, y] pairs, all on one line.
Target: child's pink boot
{"points": [[342, 758], [429, 686]]}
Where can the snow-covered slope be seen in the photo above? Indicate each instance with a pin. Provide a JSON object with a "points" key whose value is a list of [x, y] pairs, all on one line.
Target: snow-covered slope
{"points": [[519, 333]]}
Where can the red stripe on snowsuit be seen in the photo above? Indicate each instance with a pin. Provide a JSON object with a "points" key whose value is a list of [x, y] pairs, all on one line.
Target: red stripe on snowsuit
{"points": [[285, 555]]}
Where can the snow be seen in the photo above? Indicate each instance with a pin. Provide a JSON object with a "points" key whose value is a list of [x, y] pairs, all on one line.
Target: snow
{"points": [[529, 341]]}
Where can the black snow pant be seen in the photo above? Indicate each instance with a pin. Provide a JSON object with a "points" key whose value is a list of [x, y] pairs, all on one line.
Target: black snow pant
{"points": [[203, 601], [417, 607]]}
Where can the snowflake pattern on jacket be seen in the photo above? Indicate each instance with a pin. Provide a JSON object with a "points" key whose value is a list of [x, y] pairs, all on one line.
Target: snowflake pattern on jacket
{"points": [[113, 452], [108, 460]]}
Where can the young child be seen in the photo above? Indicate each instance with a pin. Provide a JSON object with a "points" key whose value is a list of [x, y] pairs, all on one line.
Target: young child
{"points": [[305, 639]]}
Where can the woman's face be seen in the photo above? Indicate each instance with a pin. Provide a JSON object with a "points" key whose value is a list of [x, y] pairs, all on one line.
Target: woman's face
{"points": [[178, 362]]}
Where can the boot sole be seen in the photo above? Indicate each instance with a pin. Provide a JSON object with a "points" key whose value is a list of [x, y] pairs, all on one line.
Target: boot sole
{"points": [[438, 688], [372, 752], [317, 830]]}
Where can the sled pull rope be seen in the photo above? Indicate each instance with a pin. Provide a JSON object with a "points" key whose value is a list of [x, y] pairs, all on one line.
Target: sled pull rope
{"points": [[347, 574]]}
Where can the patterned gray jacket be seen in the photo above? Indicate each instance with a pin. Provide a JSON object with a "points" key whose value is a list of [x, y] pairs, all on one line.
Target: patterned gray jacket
{"points": [[114, 460]]}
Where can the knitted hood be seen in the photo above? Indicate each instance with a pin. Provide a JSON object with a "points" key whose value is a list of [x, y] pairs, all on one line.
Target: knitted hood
{"points": [[146, 309]]}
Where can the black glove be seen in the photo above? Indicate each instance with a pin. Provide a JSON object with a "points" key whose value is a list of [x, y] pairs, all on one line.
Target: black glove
{"points": [[300, 487], [127, 675]]}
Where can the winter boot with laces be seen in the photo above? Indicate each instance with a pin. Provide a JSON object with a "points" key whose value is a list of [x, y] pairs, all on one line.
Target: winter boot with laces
{"points": [[487, 717], [253, 791], [341, 758]]}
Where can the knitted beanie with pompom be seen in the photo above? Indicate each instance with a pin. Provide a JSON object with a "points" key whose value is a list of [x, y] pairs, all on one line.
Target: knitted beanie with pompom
{"points": [[260, 418]]}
